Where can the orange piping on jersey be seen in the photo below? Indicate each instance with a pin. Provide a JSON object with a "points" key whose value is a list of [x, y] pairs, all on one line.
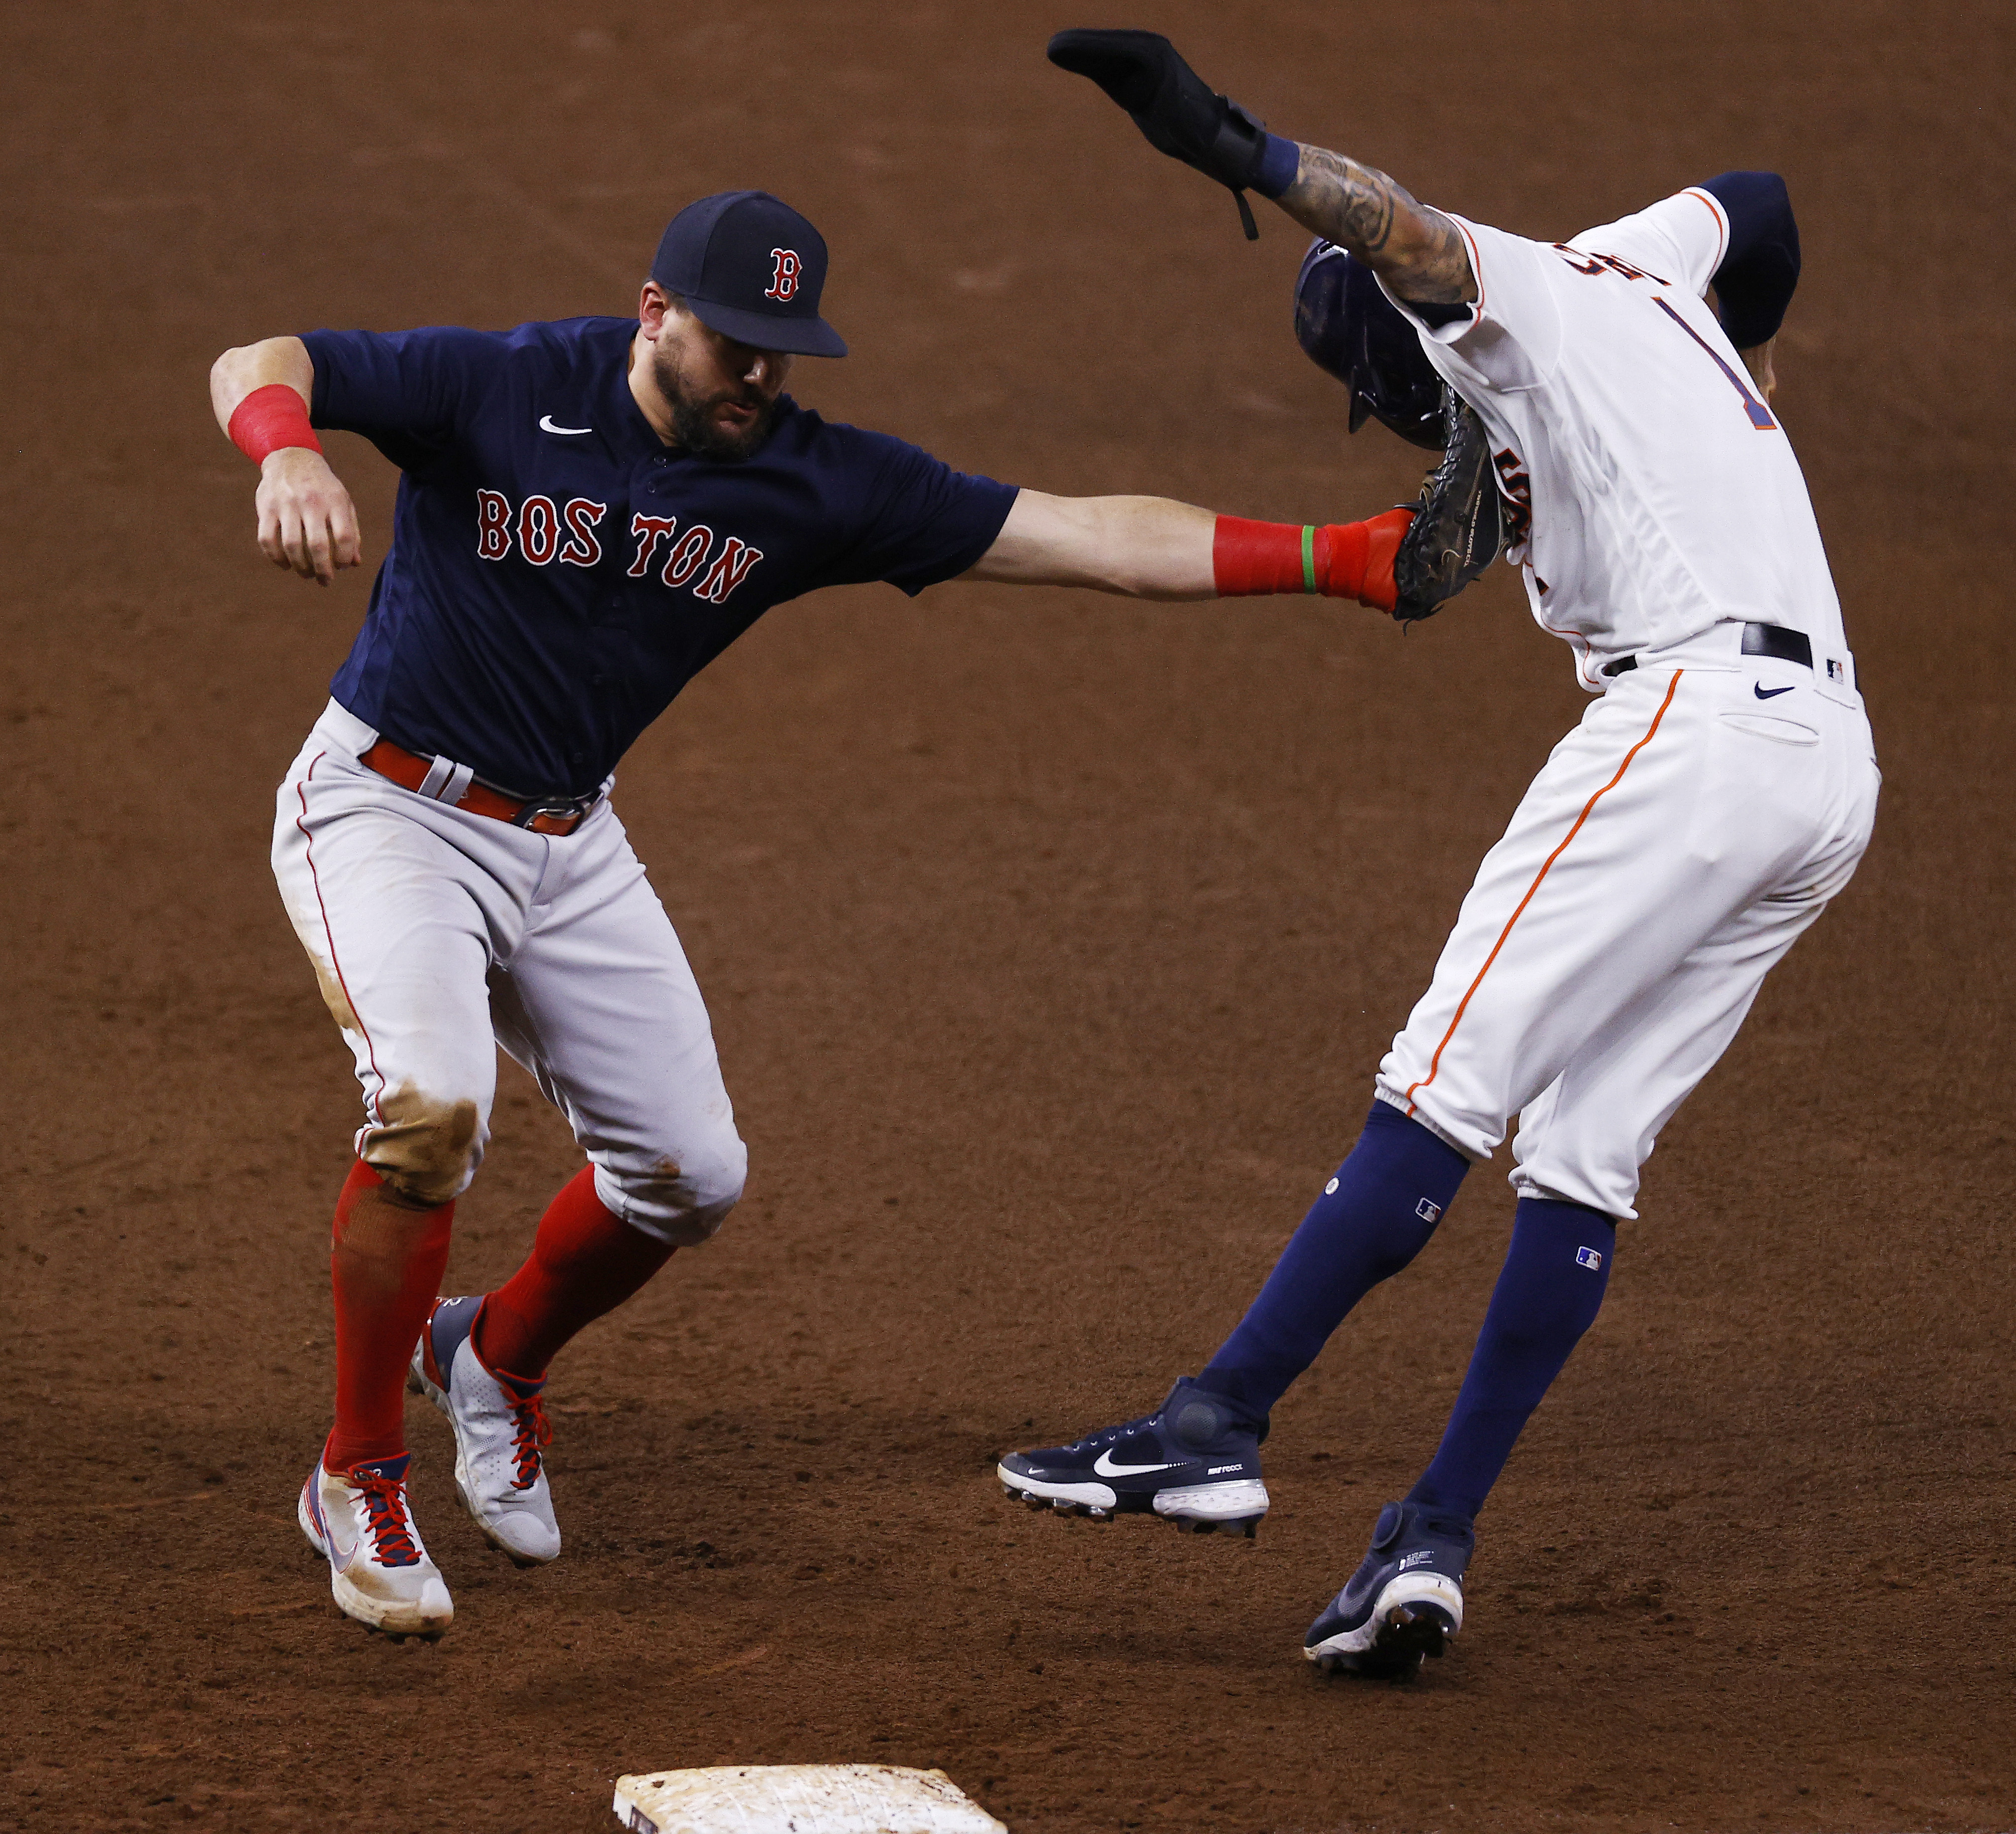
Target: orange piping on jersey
{"points": [[1476, 266], [1434, 1063], [1713, 205]]}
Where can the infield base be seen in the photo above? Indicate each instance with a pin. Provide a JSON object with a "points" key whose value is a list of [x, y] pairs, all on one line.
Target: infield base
{"points": [[799, 1799]]}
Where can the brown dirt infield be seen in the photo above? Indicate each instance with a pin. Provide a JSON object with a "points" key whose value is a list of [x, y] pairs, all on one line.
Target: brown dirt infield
{"points": [[1050, 944]]}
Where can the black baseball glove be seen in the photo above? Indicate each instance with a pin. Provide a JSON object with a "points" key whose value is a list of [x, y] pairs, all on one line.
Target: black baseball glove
{"points": [[1457, 531], [1170, 105]]}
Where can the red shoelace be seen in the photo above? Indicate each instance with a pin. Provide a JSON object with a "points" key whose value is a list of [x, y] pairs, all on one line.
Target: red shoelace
{"points": [[532, 1430], [391, 1532]]}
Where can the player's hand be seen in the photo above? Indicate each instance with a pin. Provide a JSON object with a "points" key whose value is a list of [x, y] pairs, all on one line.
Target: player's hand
{"points": [[1757, 360], [1174, 107], [307, 521]]}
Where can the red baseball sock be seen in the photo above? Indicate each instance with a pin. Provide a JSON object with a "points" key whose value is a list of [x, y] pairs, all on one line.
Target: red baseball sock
{"points": [[386, 1262], [585, 1261]]}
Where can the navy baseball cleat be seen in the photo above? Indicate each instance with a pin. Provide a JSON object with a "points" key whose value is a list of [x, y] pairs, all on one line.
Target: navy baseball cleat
{"points": [[1404, 1603], [1194, 1461]]}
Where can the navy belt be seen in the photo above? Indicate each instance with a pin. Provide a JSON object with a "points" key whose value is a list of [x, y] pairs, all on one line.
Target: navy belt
{"points": [[1758, 640]]}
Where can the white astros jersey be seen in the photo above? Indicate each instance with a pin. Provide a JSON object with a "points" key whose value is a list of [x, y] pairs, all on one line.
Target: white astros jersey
{"points": [[1651, 491]]}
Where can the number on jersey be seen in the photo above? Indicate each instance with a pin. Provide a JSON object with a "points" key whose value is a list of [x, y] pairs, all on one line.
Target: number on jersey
{"points": [[1760, 416]]}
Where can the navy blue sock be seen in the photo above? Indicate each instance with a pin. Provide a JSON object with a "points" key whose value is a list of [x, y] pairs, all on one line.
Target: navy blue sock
{"points": [[1548, 1295], [1373, 1217]]}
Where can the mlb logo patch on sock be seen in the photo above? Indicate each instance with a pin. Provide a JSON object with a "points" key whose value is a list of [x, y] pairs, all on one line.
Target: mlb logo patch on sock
{"points": [[1427, 1210], [1589, 1258]]}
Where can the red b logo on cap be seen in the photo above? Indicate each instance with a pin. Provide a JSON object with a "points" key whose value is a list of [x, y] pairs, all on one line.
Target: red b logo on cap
{"points": [[784, 276]]}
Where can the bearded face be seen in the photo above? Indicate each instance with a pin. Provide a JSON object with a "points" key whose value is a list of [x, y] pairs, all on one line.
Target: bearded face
{"points": [[718, 412]]}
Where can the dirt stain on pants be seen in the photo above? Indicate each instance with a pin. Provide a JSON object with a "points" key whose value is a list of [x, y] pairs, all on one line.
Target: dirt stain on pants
{"points": [[422, 1146]]}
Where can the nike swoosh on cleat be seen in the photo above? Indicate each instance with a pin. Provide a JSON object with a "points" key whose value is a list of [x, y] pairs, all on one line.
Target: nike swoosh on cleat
{"points": [[546, 426], [339, 1555], [1764, 693], [1104, 1465]]}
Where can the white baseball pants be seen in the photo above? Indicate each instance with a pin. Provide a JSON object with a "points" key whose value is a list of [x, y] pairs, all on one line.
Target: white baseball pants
{"points": [[438, 935], [1671, 851]]}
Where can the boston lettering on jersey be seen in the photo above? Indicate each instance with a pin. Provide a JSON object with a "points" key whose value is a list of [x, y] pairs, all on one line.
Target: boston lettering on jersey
{"points": [[556, 574], [545, 533]]}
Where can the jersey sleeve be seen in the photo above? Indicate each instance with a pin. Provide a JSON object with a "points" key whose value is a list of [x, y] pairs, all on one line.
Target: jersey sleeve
{"points": [[918, 522], [408, 392], [1679, 240], [1510, 339]]}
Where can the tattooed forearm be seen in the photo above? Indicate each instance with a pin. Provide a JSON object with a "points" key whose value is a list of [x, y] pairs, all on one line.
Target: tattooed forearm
{"points": [[1343, 201], [1420, 250]]}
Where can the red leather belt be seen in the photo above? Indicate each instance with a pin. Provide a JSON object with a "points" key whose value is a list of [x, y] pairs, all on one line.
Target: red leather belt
{"points": [[551, 815]]}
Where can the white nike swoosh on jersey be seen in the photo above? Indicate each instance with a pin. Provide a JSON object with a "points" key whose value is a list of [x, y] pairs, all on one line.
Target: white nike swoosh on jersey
{"points": [[546, 426], [1104, 1465]]}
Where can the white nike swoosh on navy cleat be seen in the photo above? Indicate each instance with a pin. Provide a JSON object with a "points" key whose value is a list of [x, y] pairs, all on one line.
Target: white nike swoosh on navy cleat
{"points": [[546, 426], [1105, 1466]]}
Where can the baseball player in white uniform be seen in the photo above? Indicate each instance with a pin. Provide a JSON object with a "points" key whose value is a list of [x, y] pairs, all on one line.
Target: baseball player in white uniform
{"points": [[1718, 791]]}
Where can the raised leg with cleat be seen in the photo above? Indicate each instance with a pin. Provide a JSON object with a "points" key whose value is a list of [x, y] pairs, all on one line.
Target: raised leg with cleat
{"points": [[501, 1434], [1194, 1462]]}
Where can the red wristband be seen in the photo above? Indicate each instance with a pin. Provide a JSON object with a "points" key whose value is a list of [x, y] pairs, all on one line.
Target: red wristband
{"points": [[269, 419], [1248, 558], [1341, 560]]}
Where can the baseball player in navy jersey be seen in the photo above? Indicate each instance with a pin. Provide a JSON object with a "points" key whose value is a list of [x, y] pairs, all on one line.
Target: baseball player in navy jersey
{"points": [[590, 512], [1717, 795]]}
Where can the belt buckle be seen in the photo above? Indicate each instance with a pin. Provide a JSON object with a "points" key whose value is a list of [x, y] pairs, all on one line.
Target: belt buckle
{"points": [[567, 808]]}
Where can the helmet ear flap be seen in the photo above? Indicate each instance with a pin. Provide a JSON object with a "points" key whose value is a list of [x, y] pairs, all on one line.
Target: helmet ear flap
{"points": [[1349, 328]]}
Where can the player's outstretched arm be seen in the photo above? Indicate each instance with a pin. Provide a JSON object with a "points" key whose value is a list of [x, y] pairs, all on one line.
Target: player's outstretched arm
{"points": [[1417, 251], [1154, 548], [1142, 547], [260, 394]]}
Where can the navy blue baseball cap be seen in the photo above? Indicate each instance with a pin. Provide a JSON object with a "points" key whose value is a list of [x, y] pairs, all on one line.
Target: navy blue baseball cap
{"points": [[751, 268]]}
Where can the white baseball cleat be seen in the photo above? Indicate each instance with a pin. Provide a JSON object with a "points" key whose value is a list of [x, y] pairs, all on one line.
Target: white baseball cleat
{"points": [[378, 1570], [500, 1426]]}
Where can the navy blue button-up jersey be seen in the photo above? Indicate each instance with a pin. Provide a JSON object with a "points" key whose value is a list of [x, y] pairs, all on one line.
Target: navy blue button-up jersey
{"points": [[556, 574]]}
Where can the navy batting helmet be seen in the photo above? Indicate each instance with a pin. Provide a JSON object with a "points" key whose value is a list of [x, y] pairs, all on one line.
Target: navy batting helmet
{"points": [[1357, 335]]}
